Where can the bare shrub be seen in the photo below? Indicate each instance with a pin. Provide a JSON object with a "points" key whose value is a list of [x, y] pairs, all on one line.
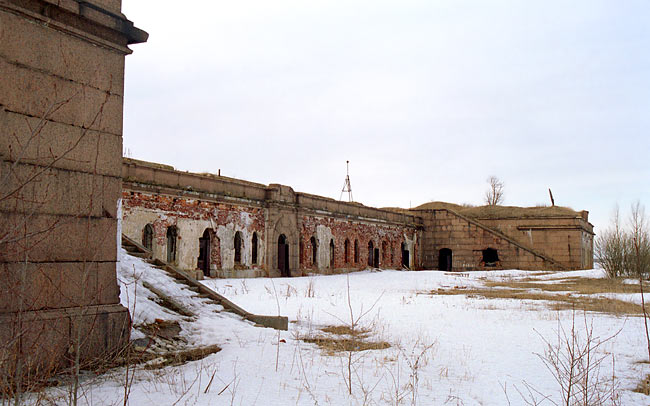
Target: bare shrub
{"points": [[625, 252], [576, 362]]}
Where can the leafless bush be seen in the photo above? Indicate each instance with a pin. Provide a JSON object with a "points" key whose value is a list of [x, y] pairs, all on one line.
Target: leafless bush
{"points": [[576, 362], [625, 252]]}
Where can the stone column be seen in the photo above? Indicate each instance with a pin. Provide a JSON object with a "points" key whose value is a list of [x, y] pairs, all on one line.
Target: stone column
{"points": [[61, 97]]}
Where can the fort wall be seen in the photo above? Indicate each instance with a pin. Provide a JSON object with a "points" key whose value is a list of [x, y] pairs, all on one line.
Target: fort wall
{"points": [[270, 218]]}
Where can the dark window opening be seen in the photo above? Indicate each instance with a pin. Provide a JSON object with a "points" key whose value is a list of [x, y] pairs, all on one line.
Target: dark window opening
{"points": [[283, 256], [147, 237], [371, 251], [254, 249], [314, 251], [445, 259], [375, 258], [203, 261], [172, 236], [346, 251], [406, 256], [356, 251], [490, 257], [331, 253], [238, 247]]}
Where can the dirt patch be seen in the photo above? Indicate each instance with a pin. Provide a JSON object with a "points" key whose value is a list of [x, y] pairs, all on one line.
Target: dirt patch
{"points": [[565, 301], [343, 338], [585, 286]]}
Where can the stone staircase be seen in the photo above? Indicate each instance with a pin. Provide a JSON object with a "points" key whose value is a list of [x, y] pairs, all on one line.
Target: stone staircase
{"points": [[201, 291]]}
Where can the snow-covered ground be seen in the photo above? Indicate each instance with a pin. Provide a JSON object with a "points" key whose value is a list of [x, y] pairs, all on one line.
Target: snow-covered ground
{"points": [[469, 350]]}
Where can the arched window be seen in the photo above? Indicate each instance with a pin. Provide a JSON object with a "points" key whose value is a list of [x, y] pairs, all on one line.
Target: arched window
{"points": [[346, 251], [331, 253], [254, 249], [356, 251], [172, 235], [371, 251], [283, 256], [147, 237], [314, 251], [238, 247]]}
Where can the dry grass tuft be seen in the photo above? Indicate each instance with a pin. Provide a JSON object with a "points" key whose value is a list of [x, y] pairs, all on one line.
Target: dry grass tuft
{"points": [[333, 345], [346, 330], [575, 289], [643, 386], [502, 211], [584, 286], [344, 338]]}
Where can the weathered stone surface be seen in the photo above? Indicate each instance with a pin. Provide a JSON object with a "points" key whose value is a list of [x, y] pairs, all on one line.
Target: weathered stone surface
{"points": [[59, 100], [47, 238], [74, 59], [35, 286], [31, 189], [48, 143]]}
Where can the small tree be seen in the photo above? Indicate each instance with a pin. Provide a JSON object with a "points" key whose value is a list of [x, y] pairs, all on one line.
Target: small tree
{"points": [[494, 195]]}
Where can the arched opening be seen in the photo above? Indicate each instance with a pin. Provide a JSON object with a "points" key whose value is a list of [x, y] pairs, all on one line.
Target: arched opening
{"points": [[371, 253], [172, 236], [254, 249], [147, 237], [332, 253], [203, 261], [283, 256], [356, 251], [490, 257], [314, 252], [237, 244], [406, 256], [444, 259], [346, 251], [301, 252]]}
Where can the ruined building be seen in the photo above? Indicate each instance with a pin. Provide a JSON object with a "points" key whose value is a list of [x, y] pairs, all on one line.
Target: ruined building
{"points": [[61, 95], [223, 227]]}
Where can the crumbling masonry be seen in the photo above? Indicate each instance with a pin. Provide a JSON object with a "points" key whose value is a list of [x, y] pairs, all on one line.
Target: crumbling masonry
{"points": [[223, 227]]}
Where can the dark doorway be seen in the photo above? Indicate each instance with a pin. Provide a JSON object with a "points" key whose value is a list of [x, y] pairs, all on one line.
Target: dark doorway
{"points": [[375, 258], [490, 257], [147, 237], [283, 256], [314, 252], [204, 253], [254, 250], [356, 251], [172, 236], [371, 252], [331, 254], [237, 247], [444, 259], [406, 258]]}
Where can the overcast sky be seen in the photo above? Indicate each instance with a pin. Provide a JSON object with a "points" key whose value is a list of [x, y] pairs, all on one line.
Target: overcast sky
{"points": [[425, 98]]}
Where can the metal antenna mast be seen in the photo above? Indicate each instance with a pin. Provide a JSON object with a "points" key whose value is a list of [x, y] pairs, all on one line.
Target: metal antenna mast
{"points": [[347, 187]]}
